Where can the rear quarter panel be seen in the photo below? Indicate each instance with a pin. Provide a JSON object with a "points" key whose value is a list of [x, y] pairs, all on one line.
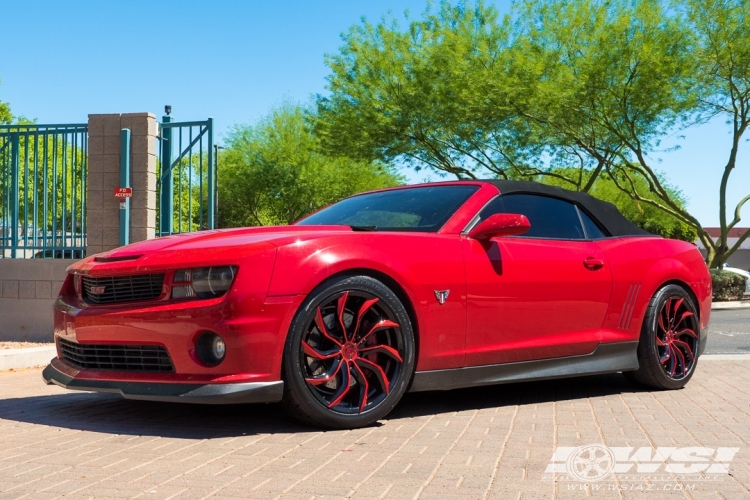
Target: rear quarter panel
{"points": [[642, 265], [419, 263]]}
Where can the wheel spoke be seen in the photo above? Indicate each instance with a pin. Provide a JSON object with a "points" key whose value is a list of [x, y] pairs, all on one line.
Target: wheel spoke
{"points": [[673, 361], [345, 385], [340, 307], [383, 349], [666, 357], [684, 316], [362, 310], [686, 331], [668, 312], [674, 312], [324, 379], [383, 323], [312, 352], [377, 371], [660, 342], [364, 386], [320, 324], [681, 358], [686, 347]]}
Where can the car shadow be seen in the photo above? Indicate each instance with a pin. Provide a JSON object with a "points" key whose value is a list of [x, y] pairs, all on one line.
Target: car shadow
{"points": [[111, 414]]}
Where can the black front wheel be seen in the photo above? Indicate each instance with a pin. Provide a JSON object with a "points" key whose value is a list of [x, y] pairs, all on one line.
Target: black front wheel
{"points": [[349, 354]]}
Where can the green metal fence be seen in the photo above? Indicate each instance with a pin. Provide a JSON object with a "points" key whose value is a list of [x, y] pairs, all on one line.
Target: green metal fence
{"points": [[186, 177], [43, 191]]}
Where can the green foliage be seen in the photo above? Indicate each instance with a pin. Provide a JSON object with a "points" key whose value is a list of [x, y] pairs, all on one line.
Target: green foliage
{"points": [[5, 116], [570, 90], [559, 84], [726, 285], [644, 215], [423, 95], [273, 172]]}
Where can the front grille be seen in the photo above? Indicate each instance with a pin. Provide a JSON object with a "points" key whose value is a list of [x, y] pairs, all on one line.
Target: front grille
{"points": [[119, 357], [122, 288]]}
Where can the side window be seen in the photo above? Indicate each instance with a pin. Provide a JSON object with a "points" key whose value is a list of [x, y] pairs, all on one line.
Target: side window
{"points": [[593, 231], [549, 217]]}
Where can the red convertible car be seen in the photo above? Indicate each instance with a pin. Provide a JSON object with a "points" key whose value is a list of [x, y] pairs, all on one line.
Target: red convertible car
{"points": [[417, 288]]}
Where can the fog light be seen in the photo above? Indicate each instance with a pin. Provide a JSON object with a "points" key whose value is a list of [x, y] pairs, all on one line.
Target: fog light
{"points": [[210, 348]]}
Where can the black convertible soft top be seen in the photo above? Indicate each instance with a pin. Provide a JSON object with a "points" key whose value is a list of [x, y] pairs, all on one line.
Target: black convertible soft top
{"points": [[602, 211]]}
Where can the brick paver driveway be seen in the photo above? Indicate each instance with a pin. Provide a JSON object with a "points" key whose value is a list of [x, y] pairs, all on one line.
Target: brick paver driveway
{"points": [[493, 442]]}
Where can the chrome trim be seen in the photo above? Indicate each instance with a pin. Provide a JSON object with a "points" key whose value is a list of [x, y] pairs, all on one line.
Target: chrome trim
{"points": [[474, 220]]}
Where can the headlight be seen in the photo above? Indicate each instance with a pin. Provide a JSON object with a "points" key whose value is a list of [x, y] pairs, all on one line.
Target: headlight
{"points": [[204, 282]]}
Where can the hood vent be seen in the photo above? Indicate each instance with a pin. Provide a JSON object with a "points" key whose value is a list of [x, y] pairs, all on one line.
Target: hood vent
{"points": [[120, 258]]}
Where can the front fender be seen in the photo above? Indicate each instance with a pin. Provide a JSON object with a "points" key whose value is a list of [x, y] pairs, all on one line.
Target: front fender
{"points": [[419, 263]]}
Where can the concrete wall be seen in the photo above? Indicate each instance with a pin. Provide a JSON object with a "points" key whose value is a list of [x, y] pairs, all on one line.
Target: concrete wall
{"points": [[740, 259], [29, 290]]}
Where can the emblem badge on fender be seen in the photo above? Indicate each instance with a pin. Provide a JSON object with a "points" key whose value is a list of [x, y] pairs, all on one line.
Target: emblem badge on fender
{"points": [[442, 295]]}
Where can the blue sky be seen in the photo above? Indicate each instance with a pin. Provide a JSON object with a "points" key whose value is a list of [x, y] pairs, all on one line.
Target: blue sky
{"points": [[233, 60]]}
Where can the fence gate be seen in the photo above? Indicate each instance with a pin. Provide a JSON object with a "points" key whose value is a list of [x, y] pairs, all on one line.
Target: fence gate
{"points": [[43, 191], [186, 177]]}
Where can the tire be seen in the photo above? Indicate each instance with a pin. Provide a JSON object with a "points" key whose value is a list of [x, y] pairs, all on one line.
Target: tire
{"points": [[350, 377], [670, 341]]}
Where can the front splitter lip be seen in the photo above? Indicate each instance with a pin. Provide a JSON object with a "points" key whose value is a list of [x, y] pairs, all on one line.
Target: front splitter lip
{"points": [[238, 393]]}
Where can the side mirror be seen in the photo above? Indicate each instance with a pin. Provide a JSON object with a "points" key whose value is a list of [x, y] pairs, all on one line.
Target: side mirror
{"points": [[500, 225]]}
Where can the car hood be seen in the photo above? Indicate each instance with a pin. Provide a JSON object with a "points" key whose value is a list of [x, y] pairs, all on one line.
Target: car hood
{"points": [[221, 244]]}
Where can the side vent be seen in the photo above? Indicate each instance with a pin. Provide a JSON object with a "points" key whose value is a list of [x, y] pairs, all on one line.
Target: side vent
{"points": [[627, 309]]}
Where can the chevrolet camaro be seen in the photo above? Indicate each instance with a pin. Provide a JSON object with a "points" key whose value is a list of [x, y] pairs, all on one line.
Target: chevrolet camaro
{"points": [[417, 288]]}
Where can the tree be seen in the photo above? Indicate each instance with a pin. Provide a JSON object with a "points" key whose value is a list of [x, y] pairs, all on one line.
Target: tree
{"points": [[419, 96], [274, 173], [723, 55], [560, 91]]}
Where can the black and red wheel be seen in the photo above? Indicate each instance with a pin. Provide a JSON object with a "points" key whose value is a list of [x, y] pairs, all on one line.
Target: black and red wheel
{"points": [[670, 339], [349, 354]]}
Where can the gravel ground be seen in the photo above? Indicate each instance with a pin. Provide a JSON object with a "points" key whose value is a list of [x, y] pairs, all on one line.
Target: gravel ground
{"points": [[21, 345]]}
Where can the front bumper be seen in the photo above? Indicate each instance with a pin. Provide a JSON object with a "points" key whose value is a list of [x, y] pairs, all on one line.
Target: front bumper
{"points": [[232, 393]]}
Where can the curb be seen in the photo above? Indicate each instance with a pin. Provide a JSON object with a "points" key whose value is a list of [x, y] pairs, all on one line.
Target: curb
{"points": [[733, 304], [725, 357], [15, 359]]}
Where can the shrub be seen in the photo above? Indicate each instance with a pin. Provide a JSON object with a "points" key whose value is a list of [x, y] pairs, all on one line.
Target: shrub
{"points": [[726, 285]]}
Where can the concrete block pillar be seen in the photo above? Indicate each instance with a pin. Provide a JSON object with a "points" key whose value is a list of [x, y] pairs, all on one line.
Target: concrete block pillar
{"points": [[103, 209]]}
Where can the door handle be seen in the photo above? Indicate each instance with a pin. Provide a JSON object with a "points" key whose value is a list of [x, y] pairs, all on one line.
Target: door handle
{"points": [[593, 264]]}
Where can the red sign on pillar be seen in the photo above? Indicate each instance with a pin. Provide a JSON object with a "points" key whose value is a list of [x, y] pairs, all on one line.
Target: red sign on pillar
{"points": [[123, 193]]}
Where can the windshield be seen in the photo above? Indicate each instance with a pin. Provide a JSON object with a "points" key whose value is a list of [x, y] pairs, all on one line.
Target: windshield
{"points": [[423, 209]]}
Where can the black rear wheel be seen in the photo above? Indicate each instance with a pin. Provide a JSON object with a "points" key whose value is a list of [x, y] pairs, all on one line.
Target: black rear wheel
{"points": [[670, 338], [349, 354]]}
